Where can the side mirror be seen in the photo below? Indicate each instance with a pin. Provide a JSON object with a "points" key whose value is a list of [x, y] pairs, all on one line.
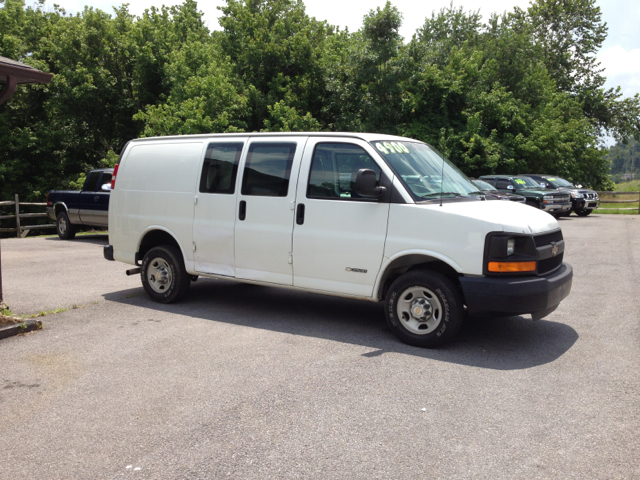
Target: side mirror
{"points": [[106, 187], [509, 187], [366, 184]]}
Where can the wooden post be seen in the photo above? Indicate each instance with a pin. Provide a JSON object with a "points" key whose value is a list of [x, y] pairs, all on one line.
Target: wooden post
{"points": [[638, 203], [17, 216]]}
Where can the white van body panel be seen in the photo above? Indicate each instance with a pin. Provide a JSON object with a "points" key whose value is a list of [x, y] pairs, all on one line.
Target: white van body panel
{"points": [[215, 222], [263, 240], [455, 232], [155, 188], [340, 245]]}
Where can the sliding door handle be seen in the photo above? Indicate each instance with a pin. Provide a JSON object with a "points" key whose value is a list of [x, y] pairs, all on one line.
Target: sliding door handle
{"points": [[300, 214], [242, 211]]}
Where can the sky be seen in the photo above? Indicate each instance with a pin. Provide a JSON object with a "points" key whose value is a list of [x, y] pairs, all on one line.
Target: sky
{"points": [[619, 55]]}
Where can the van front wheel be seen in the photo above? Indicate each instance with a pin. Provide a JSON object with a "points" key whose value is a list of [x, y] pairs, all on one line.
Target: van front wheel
{"points": [[164, 277], [424, 308]]}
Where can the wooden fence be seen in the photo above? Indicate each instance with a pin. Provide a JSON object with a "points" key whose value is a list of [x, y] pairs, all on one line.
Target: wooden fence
{"points": [[611, 198], [23, 230]]}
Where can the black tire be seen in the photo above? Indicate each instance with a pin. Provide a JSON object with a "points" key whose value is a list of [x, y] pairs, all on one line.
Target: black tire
{"points": [[441, 303], [64, 228], [584, 213], [163, 274]]}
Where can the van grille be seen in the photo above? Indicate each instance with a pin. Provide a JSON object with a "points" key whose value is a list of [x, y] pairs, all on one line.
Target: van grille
{"points": [[549, 264], [546, 239]]}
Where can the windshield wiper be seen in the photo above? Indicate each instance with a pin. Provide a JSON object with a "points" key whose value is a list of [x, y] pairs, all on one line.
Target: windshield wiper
{"points": [[437, 194]]}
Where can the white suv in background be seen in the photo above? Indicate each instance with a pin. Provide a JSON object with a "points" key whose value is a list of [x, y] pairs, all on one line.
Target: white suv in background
{"points": [[366, 216]]}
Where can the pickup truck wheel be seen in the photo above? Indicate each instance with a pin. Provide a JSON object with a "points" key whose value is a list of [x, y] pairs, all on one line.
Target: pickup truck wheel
{"points": [[163, 274], [424, 308], [66, 231], [584, 213]]}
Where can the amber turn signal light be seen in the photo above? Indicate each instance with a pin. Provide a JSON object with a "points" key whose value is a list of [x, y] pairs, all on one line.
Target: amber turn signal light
{"points": [[509, 267]]}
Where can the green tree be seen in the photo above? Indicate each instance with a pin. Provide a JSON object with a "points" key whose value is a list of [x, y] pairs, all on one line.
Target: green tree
{"points": [[203, 97], [275, 49]]}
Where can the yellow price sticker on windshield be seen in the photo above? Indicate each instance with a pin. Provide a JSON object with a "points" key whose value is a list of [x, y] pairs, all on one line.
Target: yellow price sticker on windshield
{"points": [[519, 181], [391, 147]]}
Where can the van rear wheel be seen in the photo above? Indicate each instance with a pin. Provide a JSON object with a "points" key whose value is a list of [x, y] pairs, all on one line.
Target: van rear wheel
{"points": [[424, 308], [163, 275]]}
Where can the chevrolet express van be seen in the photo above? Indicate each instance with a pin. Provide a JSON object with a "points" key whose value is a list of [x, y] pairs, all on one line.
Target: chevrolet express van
{"points": [[366, 216]]}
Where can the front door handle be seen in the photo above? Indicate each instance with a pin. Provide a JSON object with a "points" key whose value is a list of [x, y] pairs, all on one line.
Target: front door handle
{"points": [[300, 214], [242, 211]]}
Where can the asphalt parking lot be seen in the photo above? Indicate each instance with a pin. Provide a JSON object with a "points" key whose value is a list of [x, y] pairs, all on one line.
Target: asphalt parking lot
{"points": [[251, 382]]}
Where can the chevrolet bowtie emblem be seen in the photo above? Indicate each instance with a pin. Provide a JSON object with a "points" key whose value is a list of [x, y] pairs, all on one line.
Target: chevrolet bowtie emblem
{"points": [[554, 249]]}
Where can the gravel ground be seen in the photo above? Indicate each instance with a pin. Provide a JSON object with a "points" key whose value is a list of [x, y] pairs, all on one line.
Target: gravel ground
{"points": [[250, 382]]}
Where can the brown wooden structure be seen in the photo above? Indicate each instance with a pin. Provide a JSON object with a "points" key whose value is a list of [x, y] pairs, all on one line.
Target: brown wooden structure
{"points": [[14, 73]]}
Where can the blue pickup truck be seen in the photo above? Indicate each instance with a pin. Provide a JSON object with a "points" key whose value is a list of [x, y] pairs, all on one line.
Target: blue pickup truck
{"points": [[70, 208]]}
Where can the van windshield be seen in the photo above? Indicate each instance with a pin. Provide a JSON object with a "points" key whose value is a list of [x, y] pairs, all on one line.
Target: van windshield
{"points": [[424, 170]]}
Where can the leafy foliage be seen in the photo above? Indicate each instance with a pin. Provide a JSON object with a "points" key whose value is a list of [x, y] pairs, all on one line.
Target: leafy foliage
{"points": [[624, 159], [519, 92]]}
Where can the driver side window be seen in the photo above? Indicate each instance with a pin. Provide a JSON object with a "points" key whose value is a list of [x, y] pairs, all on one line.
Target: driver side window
{"points": [[334, 169]]}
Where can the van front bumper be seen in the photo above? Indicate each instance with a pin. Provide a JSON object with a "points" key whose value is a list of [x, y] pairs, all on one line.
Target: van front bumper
{"points": [[538, 296]]}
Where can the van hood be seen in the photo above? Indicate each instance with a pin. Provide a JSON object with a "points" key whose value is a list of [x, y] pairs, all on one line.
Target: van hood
{"points": [[510, 217]]}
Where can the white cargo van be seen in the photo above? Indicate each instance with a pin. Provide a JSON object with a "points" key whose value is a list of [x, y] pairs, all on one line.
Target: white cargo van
{"points": [[366, 216]]}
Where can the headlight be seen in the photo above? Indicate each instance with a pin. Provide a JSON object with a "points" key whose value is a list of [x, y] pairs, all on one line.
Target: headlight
{"points": [[577, 195], [547, 197], [509, 254]]}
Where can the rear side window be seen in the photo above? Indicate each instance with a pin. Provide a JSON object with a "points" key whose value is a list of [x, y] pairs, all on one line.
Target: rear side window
{"points": [[220, 168], [334, 169], [268, 169], [92, 182]]}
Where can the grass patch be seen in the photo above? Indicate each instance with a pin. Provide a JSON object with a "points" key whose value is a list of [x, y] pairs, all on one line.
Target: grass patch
{"points": [[610, 208], [5, 311], [632, 186], [52, 312]]}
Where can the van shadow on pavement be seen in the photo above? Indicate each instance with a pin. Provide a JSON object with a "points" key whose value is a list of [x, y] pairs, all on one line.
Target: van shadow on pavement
{"points": [[496, 343]]}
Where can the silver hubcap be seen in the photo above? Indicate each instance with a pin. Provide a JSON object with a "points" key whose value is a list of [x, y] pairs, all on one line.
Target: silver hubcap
{"points": [[159, 275], [419, 310], [62, 226]]}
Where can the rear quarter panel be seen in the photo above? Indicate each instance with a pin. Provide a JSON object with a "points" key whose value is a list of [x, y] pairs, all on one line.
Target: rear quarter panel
{"points": [[155, 189]]}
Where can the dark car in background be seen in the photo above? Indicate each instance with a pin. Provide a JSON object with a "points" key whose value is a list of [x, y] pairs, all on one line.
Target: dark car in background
{"points": [[583, 200], [554, 202], [492, 193], [90, 206]]}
